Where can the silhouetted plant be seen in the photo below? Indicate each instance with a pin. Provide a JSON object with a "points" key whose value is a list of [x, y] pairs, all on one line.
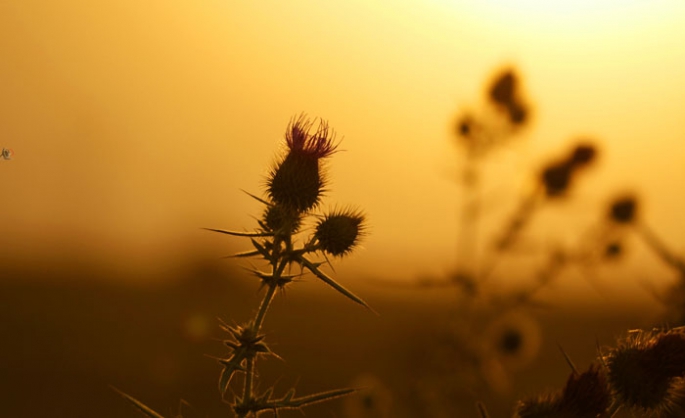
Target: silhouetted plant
{"points": [[644, 374], [586, 395], [624, 212], [491, 334], [295, 185]]}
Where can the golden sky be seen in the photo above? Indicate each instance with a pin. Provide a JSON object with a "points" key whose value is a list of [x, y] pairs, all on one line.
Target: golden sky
{"points": [[135, 123]]}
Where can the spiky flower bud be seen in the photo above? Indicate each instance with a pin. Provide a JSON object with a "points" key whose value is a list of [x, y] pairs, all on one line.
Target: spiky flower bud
{"points": [[645, 369], [544, 406], [586, 395], [296, 181], [339, 232], [281, 219]]}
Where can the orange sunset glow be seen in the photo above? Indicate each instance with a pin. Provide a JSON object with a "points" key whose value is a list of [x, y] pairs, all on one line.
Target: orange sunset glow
{"points": [[132, 125]]}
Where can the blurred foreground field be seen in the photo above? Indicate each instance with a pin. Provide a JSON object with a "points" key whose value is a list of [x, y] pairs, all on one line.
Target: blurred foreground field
{"points": [[66, 341]]}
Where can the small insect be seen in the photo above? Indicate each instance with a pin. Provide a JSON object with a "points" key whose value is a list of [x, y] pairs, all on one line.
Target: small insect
{"points": [[7, 153]]}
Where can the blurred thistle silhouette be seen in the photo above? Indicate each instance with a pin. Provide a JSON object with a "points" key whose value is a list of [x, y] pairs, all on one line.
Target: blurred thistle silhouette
{"points": [[295, 185], [643, 375], [624, 213], [493, 334], [586, 395], [555, 181]]}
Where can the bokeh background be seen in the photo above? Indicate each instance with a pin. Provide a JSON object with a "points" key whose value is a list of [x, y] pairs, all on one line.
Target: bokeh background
{"points": [[133, 124]]}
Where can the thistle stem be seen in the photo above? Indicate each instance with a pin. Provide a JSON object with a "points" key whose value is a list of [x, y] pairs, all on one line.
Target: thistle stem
{"points": [[263, 307], [256, 324], [247, 387]]}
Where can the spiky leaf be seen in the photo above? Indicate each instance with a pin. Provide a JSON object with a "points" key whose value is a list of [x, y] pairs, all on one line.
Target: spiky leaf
{"points": [[329, 281]]}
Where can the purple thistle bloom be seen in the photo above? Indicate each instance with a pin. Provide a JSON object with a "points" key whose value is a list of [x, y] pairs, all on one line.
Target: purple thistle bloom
{"points": [[301, 141]]}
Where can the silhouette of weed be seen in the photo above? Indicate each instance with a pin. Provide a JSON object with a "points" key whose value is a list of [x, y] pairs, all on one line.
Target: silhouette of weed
{"points": [[295, 185]]}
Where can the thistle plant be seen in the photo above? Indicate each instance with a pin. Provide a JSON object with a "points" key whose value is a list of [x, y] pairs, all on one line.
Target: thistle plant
{"points": [[491, 334], [643, 374], [624, 213], [294, 188]]}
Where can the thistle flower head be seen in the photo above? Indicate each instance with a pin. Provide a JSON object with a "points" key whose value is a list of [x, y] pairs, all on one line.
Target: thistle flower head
{"points": [[558, 176], [301, 141], [582, 155], [543, 406], [556, 179], [586, 395], [503, 88], [296, 181], [338, 232], [645, 371], [623, 210]]}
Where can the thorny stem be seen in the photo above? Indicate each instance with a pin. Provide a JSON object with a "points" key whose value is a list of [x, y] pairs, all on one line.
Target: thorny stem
{"points": [[256, 325], [263, 307], [277, 266], [247, 388]]}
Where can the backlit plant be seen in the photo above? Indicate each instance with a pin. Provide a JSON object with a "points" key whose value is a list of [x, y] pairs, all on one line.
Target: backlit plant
{"points": [[294, 188]]}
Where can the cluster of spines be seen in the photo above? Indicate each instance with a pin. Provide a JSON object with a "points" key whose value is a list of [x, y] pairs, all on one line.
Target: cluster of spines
{"points": [[644, 374], [295, 185]]}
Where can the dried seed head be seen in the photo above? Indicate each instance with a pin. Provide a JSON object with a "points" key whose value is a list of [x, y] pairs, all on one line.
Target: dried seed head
{"points": [[623, 210], [643, 370], [296, 181], [339, 232]]}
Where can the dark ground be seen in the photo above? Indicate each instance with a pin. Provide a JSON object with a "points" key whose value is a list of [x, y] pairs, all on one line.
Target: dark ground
{"points": [[65, 341]]}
